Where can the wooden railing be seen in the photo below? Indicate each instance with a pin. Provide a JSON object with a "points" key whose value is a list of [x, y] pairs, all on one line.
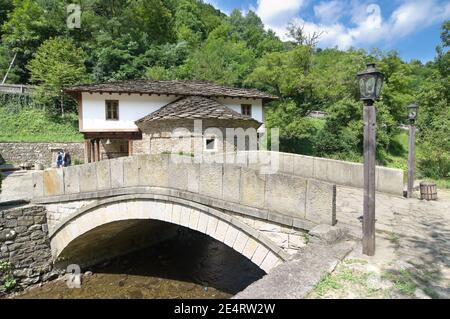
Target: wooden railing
{"points": [[16, 88]]}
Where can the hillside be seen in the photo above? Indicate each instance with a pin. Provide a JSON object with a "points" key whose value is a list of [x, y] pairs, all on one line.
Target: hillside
{"points": [[34, 125]]}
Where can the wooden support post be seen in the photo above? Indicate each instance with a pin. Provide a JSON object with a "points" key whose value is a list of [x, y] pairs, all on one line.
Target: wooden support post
{"points": [[93, 151], [411, 155], [87, 151], [130, 147], [368, 241], [98, 150]]}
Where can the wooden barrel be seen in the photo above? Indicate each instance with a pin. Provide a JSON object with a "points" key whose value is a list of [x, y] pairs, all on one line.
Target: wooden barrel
{"points": [[428, 191]]}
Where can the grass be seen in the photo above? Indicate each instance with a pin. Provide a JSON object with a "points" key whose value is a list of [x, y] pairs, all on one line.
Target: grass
{"points": [[343, 280], [35, 125], [326, 283], [403, 281], [398, 152]]}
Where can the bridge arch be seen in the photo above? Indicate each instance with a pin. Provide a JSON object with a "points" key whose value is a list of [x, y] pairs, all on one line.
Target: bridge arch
{"points": [[144, 207]]}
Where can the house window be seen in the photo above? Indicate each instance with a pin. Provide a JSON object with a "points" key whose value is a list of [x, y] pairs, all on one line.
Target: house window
{"points": [[246, 109], [112, 110], [210, 144]]}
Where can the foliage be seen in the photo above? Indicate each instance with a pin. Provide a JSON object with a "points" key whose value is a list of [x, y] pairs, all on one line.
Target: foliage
{"points": [[220, 60], [57, 64], [434, 119], [35, 125], [7, 280]]}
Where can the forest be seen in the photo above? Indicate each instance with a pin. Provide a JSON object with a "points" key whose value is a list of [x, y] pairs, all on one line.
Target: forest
{"points": [[189, 39]]}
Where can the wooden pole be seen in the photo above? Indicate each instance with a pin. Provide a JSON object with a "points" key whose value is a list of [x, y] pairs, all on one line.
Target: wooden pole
{"points": [[130, 147], [98, 150], [9, 69], [411, 155], [87, 151], [368, 241], [93, 151]]}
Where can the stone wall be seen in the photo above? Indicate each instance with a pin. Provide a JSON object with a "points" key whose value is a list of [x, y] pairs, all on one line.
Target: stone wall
{"points": [[158, 137], [25, 244], [388, 180], [40, 153]]}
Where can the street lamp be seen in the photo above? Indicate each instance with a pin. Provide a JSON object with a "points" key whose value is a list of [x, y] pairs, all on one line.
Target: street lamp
{"points": [[413, 110], [370, 82]]}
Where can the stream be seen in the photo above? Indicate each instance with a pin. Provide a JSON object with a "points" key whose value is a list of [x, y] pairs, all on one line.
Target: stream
{"points": [[189, 266]]}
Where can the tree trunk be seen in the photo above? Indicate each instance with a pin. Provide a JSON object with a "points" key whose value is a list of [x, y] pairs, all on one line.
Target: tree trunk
{"points": [[62, 104]]}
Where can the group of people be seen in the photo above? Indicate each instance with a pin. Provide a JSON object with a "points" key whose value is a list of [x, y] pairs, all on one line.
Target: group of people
{"points": [[63, 159]]}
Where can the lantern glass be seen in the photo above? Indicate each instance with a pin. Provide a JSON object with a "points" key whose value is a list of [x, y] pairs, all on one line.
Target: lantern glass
{"points": [[379, 86], [370, 83], [413, 109]]}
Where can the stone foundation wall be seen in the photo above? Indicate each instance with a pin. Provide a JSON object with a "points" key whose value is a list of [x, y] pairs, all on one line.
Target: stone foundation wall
{"points": [[40, 153], [24, 243]]}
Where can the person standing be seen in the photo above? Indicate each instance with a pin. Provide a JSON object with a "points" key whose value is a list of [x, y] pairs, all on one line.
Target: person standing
{"points": [[59, 160], [67, 159]]}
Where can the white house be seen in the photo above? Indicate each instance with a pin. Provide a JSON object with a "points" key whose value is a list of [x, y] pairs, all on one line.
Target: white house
{"points": [[138, 116]]}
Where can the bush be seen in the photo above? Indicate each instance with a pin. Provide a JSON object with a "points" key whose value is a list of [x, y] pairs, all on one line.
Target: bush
{"points": [[7, 280], [433, 162]]}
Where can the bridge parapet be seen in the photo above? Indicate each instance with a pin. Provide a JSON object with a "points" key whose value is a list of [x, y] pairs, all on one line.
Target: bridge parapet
{"points": [[280, 197], [388, 180]]}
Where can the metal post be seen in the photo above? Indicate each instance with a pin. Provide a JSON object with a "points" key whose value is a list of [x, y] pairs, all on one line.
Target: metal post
{"points": [[412, 139], [368, 241]]}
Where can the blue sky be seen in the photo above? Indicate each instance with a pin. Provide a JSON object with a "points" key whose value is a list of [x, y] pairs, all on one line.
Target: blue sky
{"points": [[412, 27]]}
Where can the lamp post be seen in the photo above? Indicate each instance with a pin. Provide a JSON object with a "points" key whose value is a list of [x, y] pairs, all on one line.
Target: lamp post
{"points": [[370, 82], [413, 109]]}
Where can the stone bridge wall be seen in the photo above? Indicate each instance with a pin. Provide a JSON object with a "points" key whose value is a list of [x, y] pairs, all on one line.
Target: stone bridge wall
{"points": [[388, 180], [286, 199]]}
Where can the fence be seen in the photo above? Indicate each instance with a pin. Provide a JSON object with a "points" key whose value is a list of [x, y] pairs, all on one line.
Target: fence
{"points": [[16, 89]]}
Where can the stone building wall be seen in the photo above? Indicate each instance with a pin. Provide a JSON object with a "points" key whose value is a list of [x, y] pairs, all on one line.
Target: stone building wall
{"points": [[24, 243], [158, 138], [39, 153]]}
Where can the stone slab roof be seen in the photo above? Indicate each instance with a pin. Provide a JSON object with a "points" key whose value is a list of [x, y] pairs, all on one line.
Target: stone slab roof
{"points": [[195, 107], [175, 87]]}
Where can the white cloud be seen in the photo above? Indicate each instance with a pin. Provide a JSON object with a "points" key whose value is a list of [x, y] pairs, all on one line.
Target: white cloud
{"points": [[417, 14], [367, 23], [277, 12], [329, 12]]}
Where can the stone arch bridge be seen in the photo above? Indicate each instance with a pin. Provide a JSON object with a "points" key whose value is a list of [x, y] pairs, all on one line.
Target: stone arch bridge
{"points": [[97, 210]]}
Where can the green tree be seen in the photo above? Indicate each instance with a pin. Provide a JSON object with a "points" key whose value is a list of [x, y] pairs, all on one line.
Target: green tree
{"points": [[225, 62], [5, 7], [434, 115], [57, 63], [28, 26]]}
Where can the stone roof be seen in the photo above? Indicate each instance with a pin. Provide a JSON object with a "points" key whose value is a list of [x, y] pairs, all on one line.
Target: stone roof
{"points": [[195, 107], [175, 87]]}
